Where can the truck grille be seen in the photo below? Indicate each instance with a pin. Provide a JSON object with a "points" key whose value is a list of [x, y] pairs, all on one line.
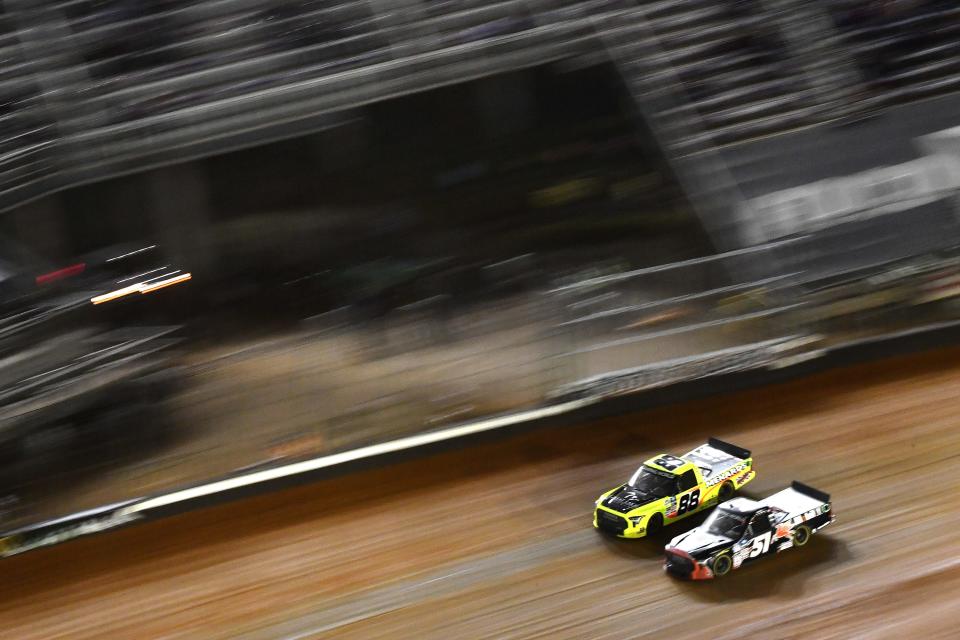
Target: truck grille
{"points": [[610, 522], [679, 565]]}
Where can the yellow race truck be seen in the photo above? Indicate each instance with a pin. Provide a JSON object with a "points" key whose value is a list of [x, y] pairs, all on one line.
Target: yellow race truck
{"points": [[667, 488]]}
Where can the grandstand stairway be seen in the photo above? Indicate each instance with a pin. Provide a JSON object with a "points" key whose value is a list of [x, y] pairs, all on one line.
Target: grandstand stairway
{"points": [[658, 94]]}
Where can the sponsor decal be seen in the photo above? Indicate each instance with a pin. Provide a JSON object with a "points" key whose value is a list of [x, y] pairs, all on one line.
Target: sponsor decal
{"points": [[745, 478], [670, 506], [732, 471], [740, 555]]}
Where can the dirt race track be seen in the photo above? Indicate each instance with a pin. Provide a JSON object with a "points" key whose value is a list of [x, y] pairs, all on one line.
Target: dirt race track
{"points": [[495, 541]]}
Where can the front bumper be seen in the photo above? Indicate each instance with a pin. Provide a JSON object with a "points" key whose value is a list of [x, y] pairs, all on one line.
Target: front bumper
{"points": [[618, 524], [682, 565]]}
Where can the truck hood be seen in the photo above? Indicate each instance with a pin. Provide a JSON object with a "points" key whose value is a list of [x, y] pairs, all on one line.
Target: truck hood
{"points": [[626, 499], [700, 544]]}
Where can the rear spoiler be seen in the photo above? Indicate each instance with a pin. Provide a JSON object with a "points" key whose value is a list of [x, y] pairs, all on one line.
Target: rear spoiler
{"points": [[807, 490], [726, 447]]}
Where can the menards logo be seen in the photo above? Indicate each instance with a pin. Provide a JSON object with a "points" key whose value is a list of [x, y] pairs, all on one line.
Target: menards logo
{"points": [[732, 471], [15, 544]]}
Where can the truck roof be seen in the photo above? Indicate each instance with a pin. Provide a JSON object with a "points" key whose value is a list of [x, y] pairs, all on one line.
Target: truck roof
{"points": [[742, 505], [792, 501], [668, 463], [712, 460]]}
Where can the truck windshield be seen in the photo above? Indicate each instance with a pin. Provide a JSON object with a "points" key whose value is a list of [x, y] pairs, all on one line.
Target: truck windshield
{"points": [[656, 483], [726, 523]]}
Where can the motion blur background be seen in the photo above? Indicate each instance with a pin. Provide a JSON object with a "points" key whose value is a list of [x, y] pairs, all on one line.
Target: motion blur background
{"points": [[236, 234]]}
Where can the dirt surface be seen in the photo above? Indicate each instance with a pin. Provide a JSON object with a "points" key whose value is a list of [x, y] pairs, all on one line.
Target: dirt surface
{"points": [[495, 541]]}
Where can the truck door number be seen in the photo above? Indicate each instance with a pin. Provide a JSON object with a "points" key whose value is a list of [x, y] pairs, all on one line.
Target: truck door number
{"points": [[761, 544], [669, 462], [688, 502]]}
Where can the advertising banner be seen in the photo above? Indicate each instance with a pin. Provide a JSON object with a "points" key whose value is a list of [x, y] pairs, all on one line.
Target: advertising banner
{"points": [[779, 352], [855, 196]]}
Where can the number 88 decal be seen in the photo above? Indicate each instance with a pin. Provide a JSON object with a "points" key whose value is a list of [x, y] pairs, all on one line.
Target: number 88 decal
{"points": [[688, 502]]}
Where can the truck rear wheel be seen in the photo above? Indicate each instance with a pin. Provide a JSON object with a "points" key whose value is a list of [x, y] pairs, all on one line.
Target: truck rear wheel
{"points": [[726, 492]]}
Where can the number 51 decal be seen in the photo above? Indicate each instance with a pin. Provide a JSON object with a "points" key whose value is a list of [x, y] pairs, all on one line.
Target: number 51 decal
{"points": [[761, 544]]}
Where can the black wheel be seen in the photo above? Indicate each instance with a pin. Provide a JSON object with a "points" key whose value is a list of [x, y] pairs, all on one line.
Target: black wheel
{"points": [[801, 535], [722, 564], [726, 492], [655, 524]]}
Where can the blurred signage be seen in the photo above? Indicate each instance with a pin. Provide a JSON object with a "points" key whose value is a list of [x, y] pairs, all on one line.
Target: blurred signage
{"points": [[852, 196], [872, 193], [766, 354]]}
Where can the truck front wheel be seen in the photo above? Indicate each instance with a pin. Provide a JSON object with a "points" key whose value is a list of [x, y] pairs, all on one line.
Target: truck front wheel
{"points": [[654, 524]]}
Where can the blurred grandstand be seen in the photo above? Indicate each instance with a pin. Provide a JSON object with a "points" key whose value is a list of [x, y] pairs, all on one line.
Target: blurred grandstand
{"points": [[403, 213], [77, 389], [92, 88]]}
